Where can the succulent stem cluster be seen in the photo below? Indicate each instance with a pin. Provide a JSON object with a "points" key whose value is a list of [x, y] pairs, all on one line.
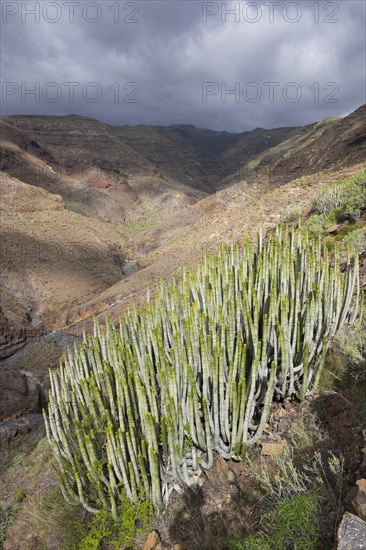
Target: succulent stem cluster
{"points": [[193, 373]]}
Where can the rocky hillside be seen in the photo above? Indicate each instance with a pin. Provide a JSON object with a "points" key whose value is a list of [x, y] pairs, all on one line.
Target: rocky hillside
{"points": [[330, 142], [85, 205]]}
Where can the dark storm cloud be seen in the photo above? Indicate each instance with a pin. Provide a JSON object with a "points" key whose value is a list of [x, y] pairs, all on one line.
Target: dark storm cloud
{"points": [[263, 64]]}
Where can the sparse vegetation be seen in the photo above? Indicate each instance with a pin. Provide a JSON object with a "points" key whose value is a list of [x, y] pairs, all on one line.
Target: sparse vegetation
{"points": [[58, 524], [20, 495], [349, 354], [18, 458], [347, 197], [251, 542], [344, 201], [290, 214], [132, 229], [346, 222], [316, 224], [6, 517], [296, 477], [356, 240], [298, 498], [331, 198], [292, 524]]}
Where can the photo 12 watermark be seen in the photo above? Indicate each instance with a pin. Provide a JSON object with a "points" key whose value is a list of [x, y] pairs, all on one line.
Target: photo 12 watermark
{"points": [[31, 253], [219, 171], [270, 92], [71, 168], [69, 92], [237, 171], [270, 12], [54, 12]]}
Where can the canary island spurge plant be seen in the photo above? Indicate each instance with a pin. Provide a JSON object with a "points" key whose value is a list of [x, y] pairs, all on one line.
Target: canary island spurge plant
{"points": [[142, 408]]}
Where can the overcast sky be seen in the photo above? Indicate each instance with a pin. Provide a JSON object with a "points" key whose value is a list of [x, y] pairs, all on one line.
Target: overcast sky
{"points": [[176, 62]]}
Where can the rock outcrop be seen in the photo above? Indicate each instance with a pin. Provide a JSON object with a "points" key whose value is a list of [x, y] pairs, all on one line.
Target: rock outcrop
{"points": [[351, 533], [15, 324], [153, 542], [20, 393], [359, 501]]}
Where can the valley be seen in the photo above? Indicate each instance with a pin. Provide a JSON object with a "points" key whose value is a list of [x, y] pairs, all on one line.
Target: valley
{"points": [[84, 203], [93, 216]]}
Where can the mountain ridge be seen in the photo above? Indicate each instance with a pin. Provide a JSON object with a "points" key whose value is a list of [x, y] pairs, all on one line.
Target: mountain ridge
{"points": [[140, 198]]}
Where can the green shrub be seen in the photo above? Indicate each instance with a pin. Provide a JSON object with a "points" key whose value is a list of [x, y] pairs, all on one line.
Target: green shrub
{"points": [[346, 229], [350, 346], [356, 240], [6, 518], [298, 499], [355, 204], [350, 212], [331, 218], [132, 520], [291, 478], [250, 542], [347, 198], [332, 197], [295, 522], [20, 495], [315, 224], [18, 459], [359, 177], [290, 214], [56, 523], [145, 406]]}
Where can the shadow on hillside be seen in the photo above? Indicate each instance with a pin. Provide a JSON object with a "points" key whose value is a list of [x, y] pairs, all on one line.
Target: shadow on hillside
{"points": [[195, 531], [204, 518], [339, 416]]}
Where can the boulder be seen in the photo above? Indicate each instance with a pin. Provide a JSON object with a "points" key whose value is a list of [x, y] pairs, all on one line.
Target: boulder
{"points": [[19, 393], [333, 229], [18, 538], [272, 448], [153, 542], [224, 474], [359, 501], [15, 324], [12, 428], [351, 533]]}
